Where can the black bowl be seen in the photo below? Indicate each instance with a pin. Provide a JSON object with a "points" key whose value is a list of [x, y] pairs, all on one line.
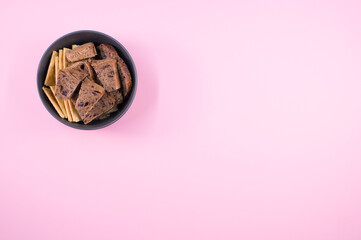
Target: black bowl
{"points": [[80, 37]]}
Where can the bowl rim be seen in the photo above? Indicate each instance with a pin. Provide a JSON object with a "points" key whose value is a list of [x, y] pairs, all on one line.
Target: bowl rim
{"points": [[96, 126]]}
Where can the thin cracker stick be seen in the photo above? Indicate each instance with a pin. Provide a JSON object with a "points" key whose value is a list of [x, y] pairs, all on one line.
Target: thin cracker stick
{"points": [[50, 75], [56, 68], [65, 60], [74, 112], [67, 107], [60, 102], [61, 59], [51, 98]]}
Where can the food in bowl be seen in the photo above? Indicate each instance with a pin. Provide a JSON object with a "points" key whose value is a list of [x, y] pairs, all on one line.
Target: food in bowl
{"points": [[86, 83]]}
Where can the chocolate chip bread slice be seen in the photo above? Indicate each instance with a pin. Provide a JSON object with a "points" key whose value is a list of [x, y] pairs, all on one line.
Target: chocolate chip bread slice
{"points": [[106, 103], [118, 96], [89, 94], [81, 52], [108, 51], [107, 73], [68, 80]]}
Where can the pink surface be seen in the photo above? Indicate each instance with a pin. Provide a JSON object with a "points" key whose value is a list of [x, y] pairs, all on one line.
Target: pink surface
{"points": [[246, 124]]}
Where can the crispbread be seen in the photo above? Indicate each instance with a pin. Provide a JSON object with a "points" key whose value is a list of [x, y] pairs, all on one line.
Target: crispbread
{"points": [[108, 51], [51, 98], [65, 61], [61, 61], [81, 52], [74, 112], [66, 84], [89, 95], [60, 102], [68, 112], [118, 96], [56, 68], [106, 102], [50, 76], [107, 73]]}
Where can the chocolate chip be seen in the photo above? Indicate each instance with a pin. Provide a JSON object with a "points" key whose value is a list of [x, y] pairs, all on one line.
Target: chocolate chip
{"points": [[106, 66]]}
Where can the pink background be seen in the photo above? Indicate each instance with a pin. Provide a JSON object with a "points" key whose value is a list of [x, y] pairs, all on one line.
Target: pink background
{"points": [[246, 124]]}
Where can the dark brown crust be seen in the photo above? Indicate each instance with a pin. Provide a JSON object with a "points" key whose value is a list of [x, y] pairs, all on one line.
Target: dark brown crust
{"points": [[89, 94], [107, 73], [108, 51], [102, 106], [84, 51]]}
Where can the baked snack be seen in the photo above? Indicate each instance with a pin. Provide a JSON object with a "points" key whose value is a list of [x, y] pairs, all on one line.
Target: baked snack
{"points": [[81, 52], [69, 79], [108, 51], [50, 75], [106, 103], [89, 94], [51, 98], [118, 96], [107, 73]]}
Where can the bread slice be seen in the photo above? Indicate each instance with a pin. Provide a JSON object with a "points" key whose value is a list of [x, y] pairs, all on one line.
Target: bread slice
{"points": [[108, 51], [106, 103], [118, 96], [69, 79], [89, 94], [107, 73], [81, 52], [66, 84]]}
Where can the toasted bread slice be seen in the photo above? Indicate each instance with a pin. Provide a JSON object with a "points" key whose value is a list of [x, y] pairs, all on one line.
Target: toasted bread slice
{"points": [[81, 52], [107, 73], [89, 94], [108, 51], [106, 103]]}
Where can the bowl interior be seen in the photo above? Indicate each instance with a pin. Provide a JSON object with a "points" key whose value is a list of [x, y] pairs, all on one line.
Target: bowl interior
{"points": [[79, 38]]}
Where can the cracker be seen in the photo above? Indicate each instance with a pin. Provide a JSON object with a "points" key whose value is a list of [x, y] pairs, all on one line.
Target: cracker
{"points": [[50, 75], [74, 112], [51, 98], [65, 61], [60, 102], [56, 68], [67, 107], [61, 59], [74, 46]]}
